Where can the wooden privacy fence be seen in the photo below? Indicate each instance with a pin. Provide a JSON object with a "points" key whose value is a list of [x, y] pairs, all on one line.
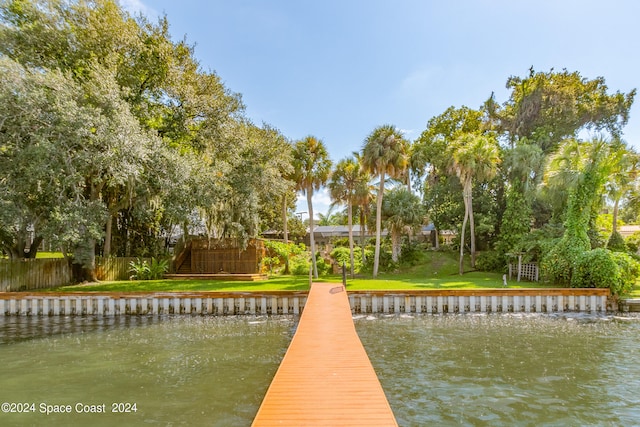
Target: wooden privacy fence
{"points": [[116, 268], [40, 273], [24, 275]]}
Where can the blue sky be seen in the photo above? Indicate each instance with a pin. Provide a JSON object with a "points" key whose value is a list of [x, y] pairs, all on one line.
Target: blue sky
{"points": [[336, 69]]}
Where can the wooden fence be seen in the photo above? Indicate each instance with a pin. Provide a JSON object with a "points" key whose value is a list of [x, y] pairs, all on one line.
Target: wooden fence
{"points": [[30, 274], [24, 275], [116, 268]]}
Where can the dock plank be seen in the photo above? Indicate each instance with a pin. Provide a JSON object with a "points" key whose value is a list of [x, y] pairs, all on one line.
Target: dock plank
{"points": [[325, 378]]}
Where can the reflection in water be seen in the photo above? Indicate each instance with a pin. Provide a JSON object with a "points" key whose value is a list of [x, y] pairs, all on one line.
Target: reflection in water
{"points": [[177, 370], [507, 369]]}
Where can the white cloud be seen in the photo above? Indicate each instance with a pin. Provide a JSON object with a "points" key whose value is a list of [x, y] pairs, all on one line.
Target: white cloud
{"points": [[137, 6], [321, 202]]}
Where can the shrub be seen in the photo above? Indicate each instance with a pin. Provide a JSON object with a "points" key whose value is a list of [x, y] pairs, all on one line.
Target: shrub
{"points": [[271, 262], [143, 270], [602, 268], [411, 254], [557, 265], [490, 261], [322, 265], [629, 272], [299, 265], [616, 243], [341, 255], [595, 269]]}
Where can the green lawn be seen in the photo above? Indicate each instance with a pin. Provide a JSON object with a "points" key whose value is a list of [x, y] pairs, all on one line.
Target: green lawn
{"points": [[474, 280], [436, 271]]}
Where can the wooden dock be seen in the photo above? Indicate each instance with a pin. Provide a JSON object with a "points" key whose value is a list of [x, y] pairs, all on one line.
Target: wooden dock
{"points": [[325, 378]]}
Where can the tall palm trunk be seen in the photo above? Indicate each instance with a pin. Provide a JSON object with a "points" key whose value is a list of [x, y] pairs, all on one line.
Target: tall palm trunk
{"points": [[362, 231], [312, 239], [351, 257], [615, 215], [395, 245], [285, 232], [376, 255], [464, 226], [472, 227]]}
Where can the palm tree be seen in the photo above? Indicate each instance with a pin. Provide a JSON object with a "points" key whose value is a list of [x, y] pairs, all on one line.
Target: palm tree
{"points": [[474, 156], [347, 181], [384, 152], [403, 212], [312, 168], [625, 171]]}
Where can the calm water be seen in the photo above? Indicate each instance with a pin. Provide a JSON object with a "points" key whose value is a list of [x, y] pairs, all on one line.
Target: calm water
{"points": [[210, 371], [493, 370], [500, 370]]}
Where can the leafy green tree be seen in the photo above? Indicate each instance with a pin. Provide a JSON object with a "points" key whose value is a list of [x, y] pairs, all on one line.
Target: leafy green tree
{"points": [[546, 108], [431, 153], [402, 213], [384, 153], [77, 130], [312, 167], [521, 165], [473, 157]]}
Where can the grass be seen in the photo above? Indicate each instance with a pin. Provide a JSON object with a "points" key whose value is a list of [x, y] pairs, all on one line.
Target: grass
{"points": [[437, 270]]}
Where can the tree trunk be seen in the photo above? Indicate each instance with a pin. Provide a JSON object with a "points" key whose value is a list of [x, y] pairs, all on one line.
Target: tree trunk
{"points": [[615, 216], [33, 248], [106, 252], [362, 231], [472, 228], [437, 238], [395, 245], [285, 233], [311, 237], [464, 225], [376, 255], [351, 256]]}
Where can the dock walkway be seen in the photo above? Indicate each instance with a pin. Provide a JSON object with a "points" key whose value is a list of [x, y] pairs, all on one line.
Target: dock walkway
{"points": [[325, 378]]}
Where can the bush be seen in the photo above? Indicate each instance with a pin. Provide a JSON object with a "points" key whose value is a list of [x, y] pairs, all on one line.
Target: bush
{"points": [[490, 261], [595, 269], [322, 265], [411, 254], [601, 268], [629, 272], [557, 265], [300, 265], [142, 270], [616, 243]]}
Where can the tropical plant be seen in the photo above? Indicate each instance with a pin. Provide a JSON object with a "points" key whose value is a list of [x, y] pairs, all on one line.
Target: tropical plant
{"points": [[583, 168], [348, 181], [143, 270], [402, 213], [312, 167], [474, 156], [384, 153]]}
